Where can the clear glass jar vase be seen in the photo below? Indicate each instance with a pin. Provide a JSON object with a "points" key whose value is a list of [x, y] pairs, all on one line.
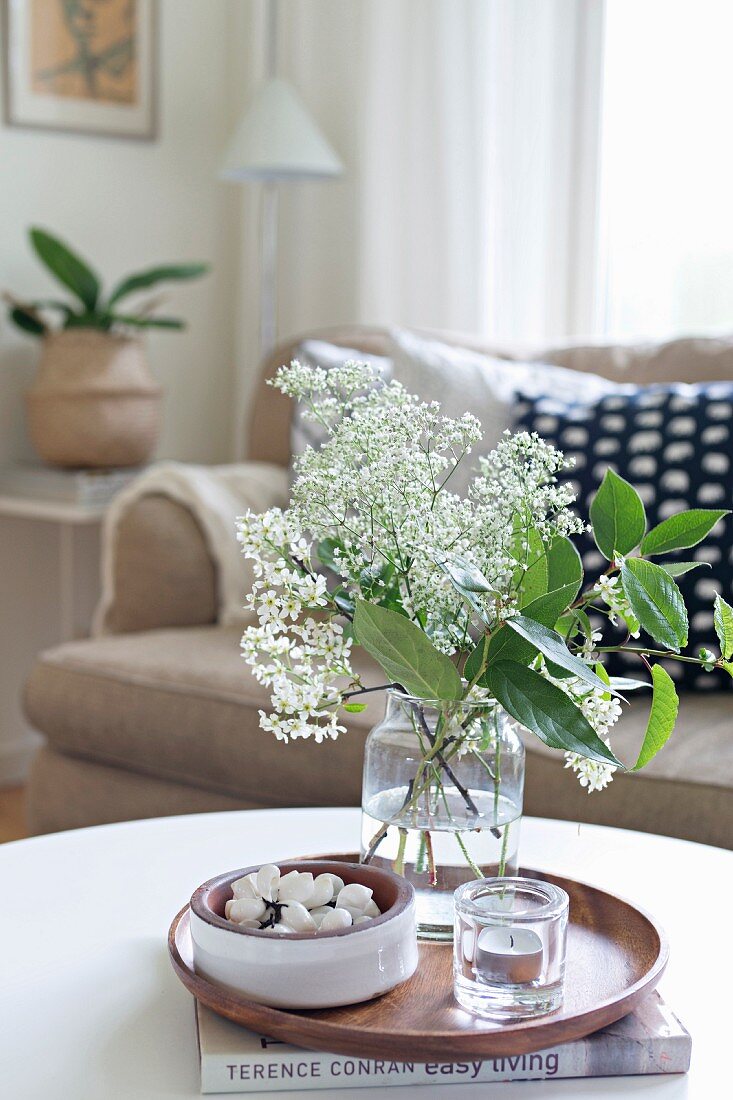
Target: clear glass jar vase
{"points": [[442, 799]]}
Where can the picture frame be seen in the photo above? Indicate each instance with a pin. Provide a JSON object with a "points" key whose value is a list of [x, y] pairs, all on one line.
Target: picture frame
{"points": [[88, 68]]}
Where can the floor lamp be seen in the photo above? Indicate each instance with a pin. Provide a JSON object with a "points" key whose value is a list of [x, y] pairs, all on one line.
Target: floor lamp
{"points": [[277, 141]]}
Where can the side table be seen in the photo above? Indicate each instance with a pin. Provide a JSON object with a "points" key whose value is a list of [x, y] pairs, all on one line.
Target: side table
{"points": [[49, 585]]}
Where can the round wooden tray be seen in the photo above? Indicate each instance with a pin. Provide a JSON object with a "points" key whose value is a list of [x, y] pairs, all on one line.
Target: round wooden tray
{"points": [[616, 955]]}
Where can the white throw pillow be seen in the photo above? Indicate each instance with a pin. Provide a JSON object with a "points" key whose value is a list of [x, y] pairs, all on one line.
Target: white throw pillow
{"points": [[468, 381]]}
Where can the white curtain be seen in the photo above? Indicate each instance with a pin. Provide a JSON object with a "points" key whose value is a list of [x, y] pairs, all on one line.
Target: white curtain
{"points": [[469, 133]]}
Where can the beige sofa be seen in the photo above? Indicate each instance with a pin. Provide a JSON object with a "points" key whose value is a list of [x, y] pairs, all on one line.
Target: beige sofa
{"points": [[161, 716]]}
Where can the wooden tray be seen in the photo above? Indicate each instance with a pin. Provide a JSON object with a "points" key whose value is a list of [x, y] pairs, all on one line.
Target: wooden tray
{"points": [[616, 955]]}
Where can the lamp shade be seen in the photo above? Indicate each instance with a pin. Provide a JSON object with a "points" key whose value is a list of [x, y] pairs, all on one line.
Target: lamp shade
{"points": [[277, 139]]}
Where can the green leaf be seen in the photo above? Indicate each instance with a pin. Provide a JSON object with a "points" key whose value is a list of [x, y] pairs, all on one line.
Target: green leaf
{"points": [[564, 568], [532, 582], [167, 273], [723, 622], [477, 657], [467, 581], [68, 268], [405, 653], [656, 601], [147, 322], [617, 516], [550, 645], [354, 708], [564, 578], [325, 552], [344, 602], [625, 683], [681, 531], [662, 716], [465, 575], [547, 711], [679, 568], [27, 321]]}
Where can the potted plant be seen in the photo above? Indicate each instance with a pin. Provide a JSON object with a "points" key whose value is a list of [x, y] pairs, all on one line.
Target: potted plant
{"points": [[475, 608], [94, 402]]}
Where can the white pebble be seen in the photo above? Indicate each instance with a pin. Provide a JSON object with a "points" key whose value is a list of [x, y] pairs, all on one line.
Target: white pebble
{"points": [[337, 918], [362, 919], [296, 886], [248, 923], [297, 917], [244, 888], [354, 896], [322, 892], [319, 913], [268, 878], [282, 929], [352, 910], [228, 908], [372, 909], [338, 883], [245, 909]]}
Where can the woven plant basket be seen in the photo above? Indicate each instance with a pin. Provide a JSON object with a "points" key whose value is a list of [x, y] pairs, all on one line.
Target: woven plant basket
{"points": [[94, 402]]}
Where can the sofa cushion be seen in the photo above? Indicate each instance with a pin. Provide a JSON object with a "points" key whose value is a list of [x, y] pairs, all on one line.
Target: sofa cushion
{"points": [[673, 443], [181, 706]]}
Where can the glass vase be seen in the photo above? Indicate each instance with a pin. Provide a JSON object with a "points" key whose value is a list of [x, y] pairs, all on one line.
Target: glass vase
{"points": [[442, 799]]}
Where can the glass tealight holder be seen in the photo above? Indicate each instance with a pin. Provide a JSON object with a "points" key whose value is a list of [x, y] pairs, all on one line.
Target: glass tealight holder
{"points": [[509, 947]]}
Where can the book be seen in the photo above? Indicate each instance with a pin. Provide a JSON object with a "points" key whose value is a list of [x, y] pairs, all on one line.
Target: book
{"points": [[83, 487], [648, 1041]]}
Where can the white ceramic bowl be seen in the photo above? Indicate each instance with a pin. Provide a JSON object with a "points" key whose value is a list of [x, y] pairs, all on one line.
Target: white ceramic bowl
{"points": [[308, 969]]}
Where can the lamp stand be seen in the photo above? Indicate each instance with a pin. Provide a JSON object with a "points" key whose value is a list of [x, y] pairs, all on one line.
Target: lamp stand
{"points": [[268, 259]]}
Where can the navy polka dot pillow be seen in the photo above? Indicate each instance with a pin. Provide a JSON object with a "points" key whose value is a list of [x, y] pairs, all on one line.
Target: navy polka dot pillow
{"points": [[674, 444]]}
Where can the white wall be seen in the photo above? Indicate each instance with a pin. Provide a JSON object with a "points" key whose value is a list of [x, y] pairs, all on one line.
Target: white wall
{"points": [[125, 205], [128, 204]]}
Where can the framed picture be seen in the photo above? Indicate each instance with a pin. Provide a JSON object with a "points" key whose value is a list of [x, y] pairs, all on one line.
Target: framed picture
{"points": [[85, 66]]}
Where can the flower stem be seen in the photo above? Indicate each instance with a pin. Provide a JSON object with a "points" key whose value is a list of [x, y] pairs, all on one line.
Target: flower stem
{"points": [[399, 864], [467, 856]]}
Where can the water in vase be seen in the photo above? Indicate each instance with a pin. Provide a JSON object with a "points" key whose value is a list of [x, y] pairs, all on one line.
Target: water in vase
{"points": [[490, 839]]}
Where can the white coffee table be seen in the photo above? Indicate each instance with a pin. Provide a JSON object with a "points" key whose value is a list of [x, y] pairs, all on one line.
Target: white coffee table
{"points": [[90, 1008]]}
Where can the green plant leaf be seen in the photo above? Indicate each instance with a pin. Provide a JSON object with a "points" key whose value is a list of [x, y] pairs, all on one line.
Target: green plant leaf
{"points": [[679, 568], [147, 322], [325, 552], [625, 683], [723, 622], [617, 516], [405, 653], [27, 321], [459, 571], [546, 710], [166, 273], [476, 658], [68, 268], [662, 716], [532, 582], [465, 575], [564, 568], [656, 601], [550, 645], [682, 531]]}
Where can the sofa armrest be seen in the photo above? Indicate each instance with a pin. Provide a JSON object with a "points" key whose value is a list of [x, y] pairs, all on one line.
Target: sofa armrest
{"points": [[162, 572]]}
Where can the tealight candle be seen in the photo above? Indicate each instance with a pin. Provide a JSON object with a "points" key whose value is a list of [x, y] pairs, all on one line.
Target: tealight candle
{"points": [[509, 955], [512, 955]]}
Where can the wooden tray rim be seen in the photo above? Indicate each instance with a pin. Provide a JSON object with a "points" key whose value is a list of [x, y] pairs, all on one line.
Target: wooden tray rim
{"points": [[298, 1026]]}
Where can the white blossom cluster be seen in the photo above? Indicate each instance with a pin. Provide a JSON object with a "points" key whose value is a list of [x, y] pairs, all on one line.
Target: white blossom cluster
{"points": [[614, 597], [301, 659], [377, 494]]}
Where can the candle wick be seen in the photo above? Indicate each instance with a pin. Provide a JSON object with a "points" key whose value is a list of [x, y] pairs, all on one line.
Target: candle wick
{"points": [[511, 940]]}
